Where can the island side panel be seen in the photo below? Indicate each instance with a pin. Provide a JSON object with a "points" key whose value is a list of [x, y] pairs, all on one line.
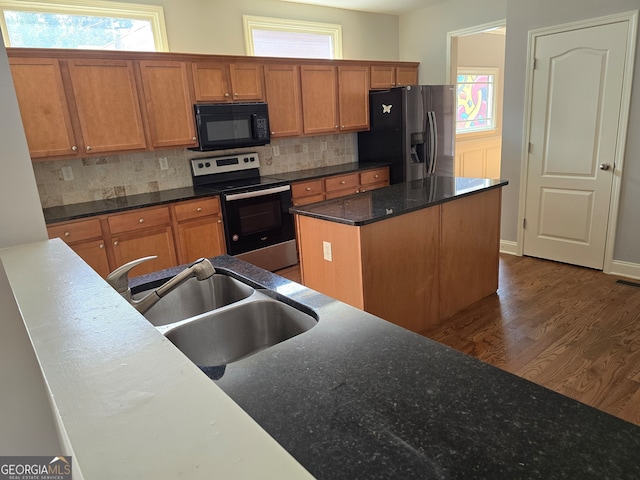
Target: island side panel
{"points": [[340, 277], [400, 268], [469, 250]]}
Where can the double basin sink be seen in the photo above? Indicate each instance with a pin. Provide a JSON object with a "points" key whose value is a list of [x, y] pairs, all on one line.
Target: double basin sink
{"points": [[221, 320]]}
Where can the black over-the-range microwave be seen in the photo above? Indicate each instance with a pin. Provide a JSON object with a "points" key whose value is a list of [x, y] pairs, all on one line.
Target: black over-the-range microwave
{"points": [[231, 125]]}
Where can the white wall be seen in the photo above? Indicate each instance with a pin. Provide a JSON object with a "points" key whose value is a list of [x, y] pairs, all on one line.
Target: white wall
{"points": [[215, 26], [21, 218], [423, 38]]}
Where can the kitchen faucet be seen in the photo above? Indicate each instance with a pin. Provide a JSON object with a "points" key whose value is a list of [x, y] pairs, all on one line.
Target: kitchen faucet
{"points": [[201, 269]]}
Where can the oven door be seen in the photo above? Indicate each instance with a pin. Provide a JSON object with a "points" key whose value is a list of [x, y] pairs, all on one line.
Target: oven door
{"points": [[257, 219]]}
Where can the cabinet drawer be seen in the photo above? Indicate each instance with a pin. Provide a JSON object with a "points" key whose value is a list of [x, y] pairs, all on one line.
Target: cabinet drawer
{"points": [[342, 193], [378, 175], [76, 231], [308, 199], [142, 218], [197, 208], [373, 186], [341, 182], [303, 189]]}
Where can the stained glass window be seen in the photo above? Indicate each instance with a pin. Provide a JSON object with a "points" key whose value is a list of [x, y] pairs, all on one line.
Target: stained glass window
{"points": [[475, 102]]}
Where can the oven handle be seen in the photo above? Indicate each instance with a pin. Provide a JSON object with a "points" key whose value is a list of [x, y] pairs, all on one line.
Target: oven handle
{"points": [[257, 193]]}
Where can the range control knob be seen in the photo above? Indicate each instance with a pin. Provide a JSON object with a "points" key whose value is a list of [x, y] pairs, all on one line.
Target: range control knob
{"points": [[208, 164], [235, 237], [200, 165], [246, 160]]}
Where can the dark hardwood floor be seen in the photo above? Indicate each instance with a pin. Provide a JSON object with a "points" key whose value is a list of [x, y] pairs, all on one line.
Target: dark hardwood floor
{"points": [[571, 329]]}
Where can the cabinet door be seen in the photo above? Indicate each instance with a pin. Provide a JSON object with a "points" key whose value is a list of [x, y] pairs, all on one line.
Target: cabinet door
{"points": [[108, 106], [94, 253], [246, 82], [168, 103], [43, 107], [353, 94], [202, 237], [383, 76], [406, 76], [142, 243], [211, 82], [282, 84], [319, 98]]}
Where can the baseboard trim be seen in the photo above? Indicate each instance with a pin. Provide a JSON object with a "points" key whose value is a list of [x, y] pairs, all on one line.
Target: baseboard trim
{"points": [[625, 269], [509, 247]]}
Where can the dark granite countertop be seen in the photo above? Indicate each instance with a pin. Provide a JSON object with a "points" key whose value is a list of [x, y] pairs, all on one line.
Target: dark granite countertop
{"points": [[76, 211], [356, 397], [394, 200]]}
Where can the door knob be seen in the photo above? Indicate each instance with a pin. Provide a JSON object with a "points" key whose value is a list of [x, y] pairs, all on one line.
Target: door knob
{"points": [[605, 166]]}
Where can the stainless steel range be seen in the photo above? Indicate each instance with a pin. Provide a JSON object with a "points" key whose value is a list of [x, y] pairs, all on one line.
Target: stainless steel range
{"points": [[258, 227]]}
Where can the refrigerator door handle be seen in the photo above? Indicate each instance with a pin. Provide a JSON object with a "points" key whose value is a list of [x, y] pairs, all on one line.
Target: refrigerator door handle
{"points": [[433, 144]]}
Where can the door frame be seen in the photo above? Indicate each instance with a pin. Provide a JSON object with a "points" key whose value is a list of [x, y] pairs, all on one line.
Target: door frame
{"points": [[632, 18]]}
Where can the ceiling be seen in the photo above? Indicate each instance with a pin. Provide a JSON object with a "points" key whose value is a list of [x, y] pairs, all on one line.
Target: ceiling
{"points": [[389, 7]]}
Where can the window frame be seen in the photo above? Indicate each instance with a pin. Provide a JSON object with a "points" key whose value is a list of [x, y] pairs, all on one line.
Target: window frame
{"points": [[251, 22], [154, 14], [495, 72]]}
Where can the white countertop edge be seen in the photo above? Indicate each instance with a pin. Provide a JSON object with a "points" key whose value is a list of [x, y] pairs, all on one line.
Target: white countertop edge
{"points": [[128, 404]]}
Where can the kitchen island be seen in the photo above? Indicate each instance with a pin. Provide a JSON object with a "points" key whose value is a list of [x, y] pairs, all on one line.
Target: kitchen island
{"points": [[412, 253], [353, 397]]}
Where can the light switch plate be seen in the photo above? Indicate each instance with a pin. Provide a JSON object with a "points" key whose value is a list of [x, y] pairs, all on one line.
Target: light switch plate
{"points": [[326, 250], [276, 151], [164, 164]]}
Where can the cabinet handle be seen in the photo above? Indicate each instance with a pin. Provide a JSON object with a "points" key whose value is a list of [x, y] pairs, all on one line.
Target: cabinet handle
{"points": [[226, 94], [88, 148], [235, 94], [308, 189], [362, 190], [101, 245], [74, 148], [342, 182], [116, 243], [198, 209], [335, 126], [219, 221], [141, 220], [376, 176], [194, 139], [66, 234], [341, 126]]}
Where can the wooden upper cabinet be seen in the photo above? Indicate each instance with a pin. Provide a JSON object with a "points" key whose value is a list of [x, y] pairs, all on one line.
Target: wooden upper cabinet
{"points": [[108, 106], [246, 82], [319, 85], [43, 107], [353, 95], [387, 76], [221, 82], [406, 76], [168, 103], [282, 85]]}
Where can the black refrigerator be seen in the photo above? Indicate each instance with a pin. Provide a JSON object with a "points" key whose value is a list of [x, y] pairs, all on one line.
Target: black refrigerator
{"points": [[413, 128]]}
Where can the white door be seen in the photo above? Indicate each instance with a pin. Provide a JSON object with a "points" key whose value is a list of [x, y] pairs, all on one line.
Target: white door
{"points": [[575, 117]]}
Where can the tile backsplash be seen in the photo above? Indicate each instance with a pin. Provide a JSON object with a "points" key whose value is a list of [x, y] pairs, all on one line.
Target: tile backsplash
{"points": [[64, 182]]}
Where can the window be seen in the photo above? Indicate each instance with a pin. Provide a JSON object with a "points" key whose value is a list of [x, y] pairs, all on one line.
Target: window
{"points": [[475, 100], [88, 24], [274, 37]]}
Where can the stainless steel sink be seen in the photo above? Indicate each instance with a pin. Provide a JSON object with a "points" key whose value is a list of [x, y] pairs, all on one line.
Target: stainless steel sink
{"points": [[237, 331], [196, 297]]}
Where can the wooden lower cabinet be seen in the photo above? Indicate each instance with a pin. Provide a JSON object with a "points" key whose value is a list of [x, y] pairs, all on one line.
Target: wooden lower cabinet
{"points": [[176, 233], [336, 186], [199, 229], [143, 243], [86, 239]]}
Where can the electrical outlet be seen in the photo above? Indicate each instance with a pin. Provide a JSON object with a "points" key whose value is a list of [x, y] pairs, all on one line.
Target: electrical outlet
{"points": [[164, 165], [323, 146], [67, 174], [276, 151], [326, 250]]}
